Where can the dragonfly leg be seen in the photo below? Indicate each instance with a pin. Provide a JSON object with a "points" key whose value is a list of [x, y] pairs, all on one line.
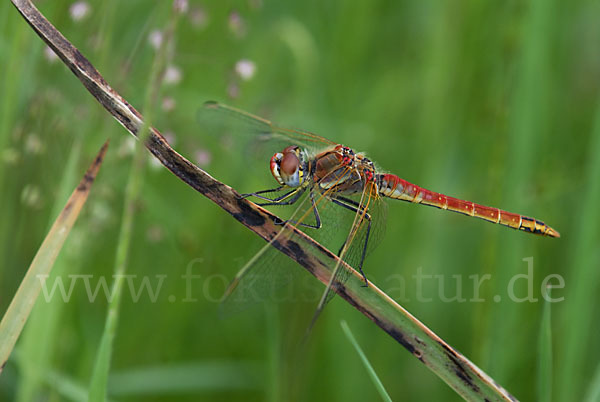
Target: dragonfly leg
{"points": [[364, 251], [315, 211], [317, 224], [286, 199], [356, 208], [262, 197], [348, 201]]}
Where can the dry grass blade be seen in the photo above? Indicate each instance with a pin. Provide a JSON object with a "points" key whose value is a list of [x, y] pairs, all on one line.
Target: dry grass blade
{"points": [[455, 369], [13, 321]]}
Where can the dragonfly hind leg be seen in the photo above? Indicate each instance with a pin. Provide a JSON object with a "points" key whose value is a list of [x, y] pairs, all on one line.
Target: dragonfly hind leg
{"points": [[356, 208]]}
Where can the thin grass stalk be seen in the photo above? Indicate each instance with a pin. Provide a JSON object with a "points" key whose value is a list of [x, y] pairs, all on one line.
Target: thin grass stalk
{"points": [[99, 379], [545, 359], [593, 392], [370, 370], [583, 278], [9, 76], [528, 122]]}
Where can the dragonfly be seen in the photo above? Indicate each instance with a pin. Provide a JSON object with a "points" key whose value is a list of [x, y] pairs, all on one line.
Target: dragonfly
{"points": [[329, 174]]}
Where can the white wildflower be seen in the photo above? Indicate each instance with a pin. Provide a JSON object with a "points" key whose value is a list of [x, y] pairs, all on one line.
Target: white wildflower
{"points": [[245, 69], [79, 10]]}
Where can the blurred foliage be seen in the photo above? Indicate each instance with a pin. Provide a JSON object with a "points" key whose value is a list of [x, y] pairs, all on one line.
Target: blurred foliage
{"points": [[495, 102]]}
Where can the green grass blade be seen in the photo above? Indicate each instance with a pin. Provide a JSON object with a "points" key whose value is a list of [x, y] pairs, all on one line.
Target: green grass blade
{"points": [[593, 393], [580, 309], [528, 120], [545, 354], [18, 311], [68, 388], [372, 374], [99, 378], [186, 378], [11, 74], [65, 386], [274, 346]]}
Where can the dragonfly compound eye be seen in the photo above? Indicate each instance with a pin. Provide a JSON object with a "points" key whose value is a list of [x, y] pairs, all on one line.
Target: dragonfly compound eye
{"points": [[290, 169], [286, 167], [289, 164], [275, 167]]}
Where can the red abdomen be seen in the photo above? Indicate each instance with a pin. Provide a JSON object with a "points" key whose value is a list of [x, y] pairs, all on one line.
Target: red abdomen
{"points": [[394, 187]]}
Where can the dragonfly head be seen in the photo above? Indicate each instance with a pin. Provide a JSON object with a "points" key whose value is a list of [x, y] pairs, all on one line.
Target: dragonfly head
{"points": [[288, 166]]}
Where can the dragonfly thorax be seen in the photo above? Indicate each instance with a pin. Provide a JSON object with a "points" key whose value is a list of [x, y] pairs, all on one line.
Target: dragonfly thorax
{"points": [[289, 166]]}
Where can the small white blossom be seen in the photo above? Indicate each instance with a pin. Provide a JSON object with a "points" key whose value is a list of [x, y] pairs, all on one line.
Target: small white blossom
{"points": [[245, 69], [31, 196], [79, 10], [33, 144], [172, 75], [181, 6], [198, 17], [168, 104], [237, 25], [203, 157], [155, 39], [170, 137]]}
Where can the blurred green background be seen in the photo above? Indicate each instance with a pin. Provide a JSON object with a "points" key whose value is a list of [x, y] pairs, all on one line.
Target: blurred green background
{"points": [[495, 102]]}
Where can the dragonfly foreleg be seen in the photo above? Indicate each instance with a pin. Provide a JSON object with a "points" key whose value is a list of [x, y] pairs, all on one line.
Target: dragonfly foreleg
{"points": [[286, 199], [262, 197], [356, 208], [317, 224]]}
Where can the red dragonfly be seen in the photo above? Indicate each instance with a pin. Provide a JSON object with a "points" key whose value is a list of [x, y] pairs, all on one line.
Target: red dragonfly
{"points": [[334, 174]]}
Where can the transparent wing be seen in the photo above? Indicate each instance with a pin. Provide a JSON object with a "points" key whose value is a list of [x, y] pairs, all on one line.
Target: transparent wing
{"points": [[254, 133], [367, 227], [246, 143], [362, 238], [271, 276]]}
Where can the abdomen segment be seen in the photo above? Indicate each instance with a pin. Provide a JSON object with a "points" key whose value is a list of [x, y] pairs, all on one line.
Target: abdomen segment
{"points": [[394, 187]]}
